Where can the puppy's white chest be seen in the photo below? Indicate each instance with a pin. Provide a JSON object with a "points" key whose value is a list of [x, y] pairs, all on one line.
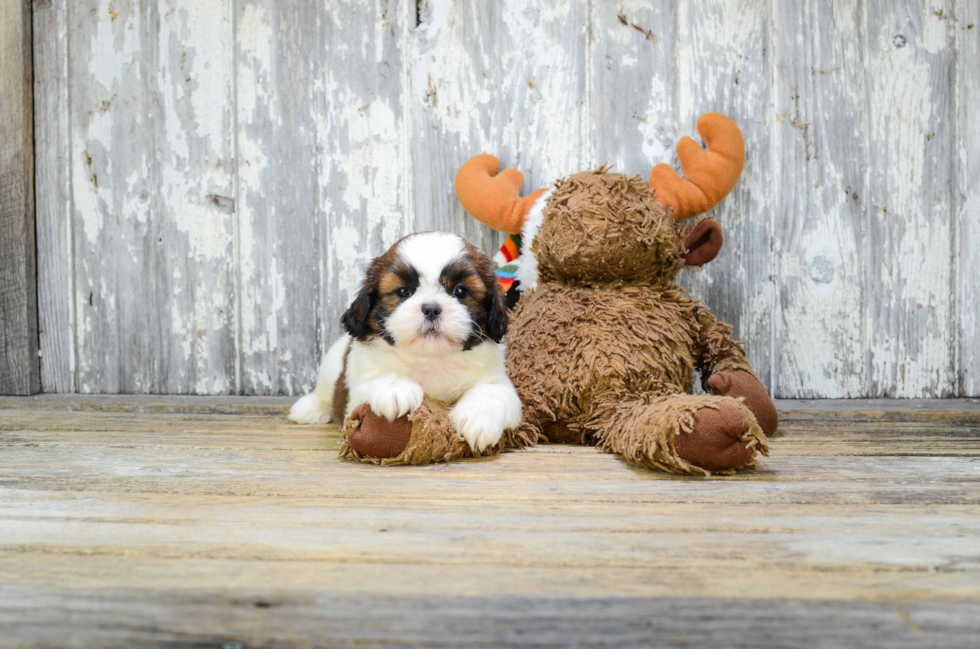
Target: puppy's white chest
{"points": [[446, 381], [425, 375], [446, 377]]}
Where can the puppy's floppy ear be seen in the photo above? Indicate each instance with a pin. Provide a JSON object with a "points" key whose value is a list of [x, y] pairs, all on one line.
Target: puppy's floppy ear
{"points": [[355, 319], [496, 308], [513, 294]]}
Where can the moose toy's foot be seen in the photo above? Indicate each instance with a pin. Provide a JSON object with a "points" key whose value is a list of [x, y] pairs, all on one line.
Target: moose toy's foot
{"points": [[720, 438], [373, 436], [681, 433], [745, 387], [421, 437]]}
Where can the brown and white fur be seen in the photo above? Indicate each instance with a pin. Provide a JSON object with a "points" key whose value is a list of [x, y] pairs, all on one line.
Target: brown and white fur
{"points": [[429, 320]]}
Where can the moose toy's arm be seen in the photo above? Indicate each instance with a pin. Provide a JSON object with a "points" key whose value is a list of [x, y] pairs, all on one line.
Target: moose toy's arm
{"points": [[725, 371]]}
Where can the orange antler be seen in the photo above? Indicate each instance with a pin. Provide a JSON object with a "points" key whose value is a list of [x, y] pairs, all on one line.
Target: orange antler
{"points": [[709, 174], [494, 199]]}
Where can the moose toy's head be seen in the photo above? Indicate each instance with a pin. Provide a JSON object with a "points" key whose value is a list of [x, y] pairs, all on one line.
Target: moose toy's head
{"points": [[598, 226]]}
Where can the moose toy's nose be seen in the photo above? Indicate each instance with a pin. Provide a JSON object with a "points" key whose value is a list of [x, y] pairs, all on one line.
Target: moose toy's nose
{"points": [[431, 311]]}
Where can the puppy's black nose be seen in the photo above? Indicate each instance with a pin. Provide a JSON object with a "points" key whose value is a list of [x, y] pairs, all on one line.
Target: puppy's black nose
{"points": [[431, 311]]}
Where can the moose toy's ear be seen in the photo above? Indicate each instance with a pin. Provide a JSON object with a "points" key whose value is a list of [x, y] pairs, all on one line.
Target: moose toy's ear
{"points": [[494, 198], [703, 243], [709, 174]]}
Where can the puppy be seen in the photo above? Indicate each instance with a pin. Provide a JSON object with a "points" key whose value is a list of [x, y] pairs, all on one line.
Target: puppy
{"points": [[428, 321]]}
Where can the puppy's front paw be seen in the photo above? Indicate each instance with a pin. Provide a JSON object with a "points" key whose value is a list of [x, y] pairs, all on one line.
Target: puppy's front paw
{"points": [[310, 410], [482, 415], [392, 398], [478, 432]]}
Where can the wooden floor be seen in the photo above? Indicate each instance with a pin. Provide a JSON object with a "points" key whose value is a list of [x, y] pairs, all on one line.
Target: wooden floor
{"points": [[217, 523]]}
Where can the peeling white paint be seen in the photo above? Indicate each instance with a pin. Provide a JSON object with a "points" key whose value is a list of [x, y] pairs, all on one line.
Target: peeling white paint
{"points": [[545, 121], [93, 200], [114, 44], [911, 220], [457, 84], [739, 285], [209, 61], [651, 129], [820, 346], [255, 52], [374, 187], [966, 245], [276, 195], [207, 228], [351, 258], [365, 199]]}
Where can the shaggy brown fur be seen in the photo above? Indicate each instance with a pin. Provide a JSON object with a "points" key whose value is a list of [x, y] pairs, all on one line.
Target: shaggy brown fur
{"points": [[604, 349], [605, 227], [430, 437]]}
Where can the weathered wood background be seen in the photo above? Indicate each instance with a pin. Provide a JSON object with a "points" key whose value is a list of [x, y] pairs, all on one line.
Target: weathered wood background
{"points": [[19, 367], [212, 175]]}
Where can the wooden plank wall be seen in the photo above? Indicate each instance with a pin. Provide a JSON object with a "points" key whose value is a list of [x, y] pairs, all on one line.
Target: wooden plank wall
{"points": [[212, 176], [19, 367], [966, 241]]}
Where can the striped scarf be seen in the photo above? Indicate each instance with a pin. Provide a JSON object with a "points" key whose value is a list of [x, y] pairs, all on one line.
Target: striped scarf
{"points": [[505, 261]]}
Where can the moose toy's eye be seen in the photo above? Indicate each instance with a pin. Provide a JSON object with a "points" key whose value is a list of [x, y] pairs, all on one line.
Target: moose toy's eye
{"points": [[403, 292], [459, 292]]}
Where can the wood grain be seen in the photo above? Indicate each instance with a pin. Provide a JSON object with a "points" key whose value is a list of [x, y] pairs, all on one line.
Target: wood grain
{"points": [[503, 78], [152, 146], [169, 528], [542, 93], [19, 367], [966, 244], [820, 145], [456, 108], [52, 184], [958, 411], [363, 131], [738, 285], [265, 617], [632, 84], [277, 258], [909, 208]]}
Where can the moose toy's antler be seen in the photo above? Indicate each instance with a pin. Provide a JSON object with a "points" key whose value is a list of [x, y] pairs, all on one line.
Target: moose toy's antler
{"points": [[709, 173], [494, 199]]}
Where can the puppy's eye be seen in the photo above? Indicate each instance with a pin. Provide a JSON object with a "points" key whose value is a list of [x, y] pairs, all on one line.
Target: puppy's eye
{"points": [[459, 292], [403, 292]]}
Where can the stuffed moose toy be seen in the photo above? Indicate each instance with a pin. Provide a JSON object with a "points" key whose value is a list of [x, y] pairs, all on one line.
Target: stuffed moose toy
{"points": [[603, 344]]}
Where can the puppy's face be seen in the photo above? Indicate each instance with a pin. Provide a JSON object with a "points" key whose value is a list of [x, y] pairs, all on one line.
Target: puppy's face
{"points": [[431, 293]]}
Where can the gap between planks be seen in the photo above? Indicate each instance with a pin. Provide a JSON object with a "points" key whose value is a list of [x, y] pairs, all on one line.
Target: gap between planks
{"points": [[964, 410]]}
